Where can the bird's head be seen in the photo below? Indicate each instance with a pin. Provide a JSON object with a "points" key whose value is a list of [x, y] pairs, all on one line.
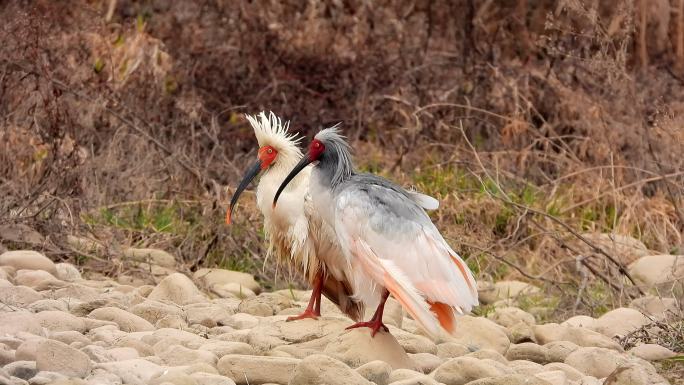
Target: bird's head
{"points": [[277, 151], [329, 148]]}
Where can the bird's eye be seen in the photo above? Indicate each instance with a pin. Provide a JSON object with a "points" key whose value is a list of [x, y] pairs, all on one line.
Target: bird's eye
{"points": [[269, 151], [316, 145]]}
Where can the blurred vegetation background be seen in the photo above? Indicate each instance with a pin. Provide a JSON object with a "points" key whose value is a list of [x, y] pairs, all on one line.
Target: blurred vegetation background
{"points": [[548, 130]]}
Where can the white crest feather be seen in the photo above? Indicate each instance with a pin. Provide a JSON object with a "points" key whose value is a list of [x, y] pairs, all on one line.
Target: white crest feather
{"points": [[271, 131]]}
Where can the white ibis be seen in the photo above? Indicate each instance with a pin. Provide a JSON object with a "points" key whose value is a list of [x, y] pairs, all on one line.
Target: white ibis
{"points": [[389, 242], [292, 232]]}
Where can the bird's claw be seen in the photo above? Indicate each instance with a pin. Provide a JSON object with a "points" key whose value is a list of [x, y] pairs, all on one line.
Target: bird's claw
{"points": [[306, 314], [375, 326]]}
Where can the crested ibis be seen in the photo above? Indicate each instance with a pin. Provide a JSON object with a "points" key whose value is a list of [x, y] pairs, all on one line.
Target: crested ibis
{"points": [[390, 244], [292, 230]]}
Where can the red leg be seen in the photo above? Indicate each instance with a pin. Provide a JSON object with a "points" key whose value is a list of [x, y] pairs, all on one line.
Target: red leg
{"points": [[375, 323], [313, 309]]}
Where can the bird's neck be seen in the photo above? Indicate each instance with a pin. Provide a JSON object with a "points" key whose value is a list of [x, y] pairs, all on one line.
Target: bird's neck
{"points": [[335, 169]]}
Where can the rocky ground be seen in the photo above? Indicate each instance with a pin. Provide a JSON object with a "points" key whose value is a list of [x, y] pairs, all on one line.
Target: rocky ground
{"points": [[216, 327]]}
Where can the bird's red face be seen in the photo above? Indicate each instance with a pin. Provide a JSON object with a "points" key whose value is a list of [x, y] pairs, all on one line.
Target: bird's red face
{"points": [[267, 155], [316, 148]]}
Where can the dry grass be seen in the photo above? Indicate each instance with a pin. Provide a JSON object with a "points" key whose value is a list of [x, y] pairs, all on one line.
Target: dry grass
{"points": [[532, 125]]}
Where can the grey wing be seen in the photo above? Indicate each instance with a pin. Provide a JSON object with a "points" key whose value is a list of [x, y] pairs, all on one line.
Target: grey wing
{"points": [[393, 228]]}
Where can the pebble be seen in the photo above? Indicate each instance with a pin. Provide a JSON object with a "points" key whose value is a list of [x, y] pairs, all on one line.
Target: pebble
{"points": [[211, 277], [27, 259], [481, 333], [126, 321], [308, 372], [652, 352], [245, 369], [178, 289], [55, 356], [462, 370], [376, 371]]}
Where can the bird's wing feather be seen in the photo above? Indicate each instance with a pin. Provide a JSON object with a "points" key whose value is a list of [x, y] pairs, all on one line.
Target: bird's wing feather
{"points": [[425, 201], [394, 240]]}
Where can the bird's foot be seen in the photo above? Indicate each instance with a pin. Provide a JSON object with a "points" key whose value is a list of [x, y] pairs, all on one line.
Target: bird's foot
{"points": [[308, 313], [374, 325]]}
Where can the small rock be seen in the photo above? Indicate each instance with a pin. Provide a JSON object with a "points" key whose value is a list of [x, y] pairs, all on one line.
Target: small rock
{"points": [[123, 354], [462, 370], [356, 347], [186, 339], [27, 259], [19, 296], [38, 280], [403, 374], [513, 289], [426, 362], [481, 333], [153, 311], [69, 336], [509, 316], [571, 373], [413, 343], [663, 273], [28, 349], [448, 350], [528, 368], [521, 332], [177, 288], [12, 323], [176, 355], [45, 378], [510, 379], [100, 376], [222, 348], [620, 322], [58, 321], [207, 314], [375, 371], [242, 321], [232, 289], [529, 352], [75, 291], [652, 352], [265, 305], [559, 350], [151, 256], [55, 356], [68, 272], [553, 377], [583, 337], [97, 353], [211, 277], [21, 369], [488, 354], [583, 321], [134, 372], [7, 355], [256, 370], [127, 322], [211, 379], [172, 321], [656, 307], [634, 374], [308, 372], [48, 304], [597, 362], [142, 348]]}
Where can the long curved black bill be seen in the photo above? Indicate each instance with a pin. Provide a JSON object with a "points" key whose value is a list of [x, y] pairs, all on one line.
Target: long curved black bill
{"points": [[251, 174], [296, 170]]}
